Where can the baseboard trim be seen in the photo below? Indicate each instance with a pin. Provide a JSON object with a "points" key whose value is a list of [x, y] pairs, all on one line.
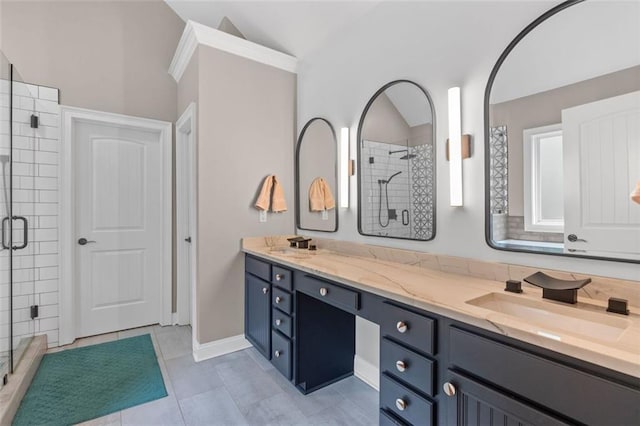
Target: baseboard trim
{"points": [[367, 372], [219, 347]]}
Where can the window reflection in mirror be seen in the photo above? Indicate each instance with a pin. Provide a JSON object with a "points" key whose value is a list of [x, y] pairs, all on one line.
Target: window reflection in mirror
{"points": [[563, 136], [396, 164]]}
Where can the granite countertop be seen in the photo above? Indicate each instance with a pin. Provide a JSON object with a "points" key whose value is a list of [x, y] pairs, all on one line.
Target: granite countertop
{"points": [[446, 294]]}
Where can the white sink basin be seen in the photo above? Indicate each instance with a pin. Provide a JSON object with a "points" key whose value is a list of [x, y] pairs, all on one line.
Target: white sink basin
{"points": [[551, 317]]}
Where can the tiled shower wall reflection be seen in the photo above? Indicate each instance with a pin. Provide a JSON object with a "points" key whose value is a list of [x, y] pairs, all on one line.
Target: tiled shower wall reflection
{"points": [[412, 190], [35, 196]]}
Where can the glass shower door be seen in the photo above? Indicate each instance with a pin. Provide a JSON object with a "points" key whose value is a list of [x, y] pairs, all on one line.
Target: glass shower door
{"points": [[22, 181], [5, 214]]}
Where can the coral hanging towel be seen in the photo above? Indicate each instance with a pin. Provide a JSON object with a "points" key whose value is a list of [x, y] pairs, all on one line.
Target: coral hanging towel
{"points": [[271, 196], [320, 196]]}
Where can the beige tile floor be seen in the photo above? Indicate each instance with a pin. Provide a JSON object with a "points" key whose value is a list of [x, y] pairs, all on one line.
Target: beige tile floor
{"points": [[241, 388]]}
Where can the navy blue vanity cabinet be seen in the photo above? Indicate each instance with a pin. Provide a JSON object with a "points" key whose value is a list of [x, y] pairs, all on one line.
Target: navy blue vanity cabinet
{"points": [[433, 370], [477, 405], [282, 311], [257, 309], [407, 365], [515, 379]]}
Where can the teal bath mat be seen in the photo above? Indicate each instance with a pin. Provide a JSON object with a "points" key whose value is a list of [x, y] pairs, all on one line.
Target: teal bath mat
{"points": [[80, 384]]}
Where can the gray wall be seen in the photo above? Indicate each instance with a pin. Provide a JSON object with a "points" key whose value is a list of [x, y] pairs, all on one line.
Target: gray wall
{"points": [[109, 56], [384, 123], [246, 131], [545, 108], [104, 55]]}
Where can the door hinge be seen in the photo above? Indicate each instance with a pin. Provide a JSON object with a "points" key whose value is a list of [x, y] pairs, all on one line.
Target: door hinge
{"points": [[34, 311]]}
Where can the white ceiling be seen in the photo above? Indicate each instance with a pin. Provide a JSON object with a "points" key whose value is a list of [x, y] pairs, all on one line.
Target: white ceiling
{"points": [[300, 28], [292, 27]]}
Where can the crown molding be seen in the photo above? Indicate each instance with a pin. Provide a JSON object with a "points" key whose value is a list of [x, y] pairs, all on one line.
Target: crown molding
{"points": [[195, 34]]}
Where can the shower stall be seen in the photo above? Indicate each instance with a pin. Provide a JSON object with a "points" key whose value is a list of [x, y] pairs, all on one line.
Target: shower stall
{"points": [[397, 192], [17, 197]]}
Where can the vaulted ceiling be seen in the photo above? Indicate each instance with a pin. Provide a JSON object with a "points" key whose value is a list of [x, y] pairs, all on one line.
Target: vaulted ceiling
{"points": [[293, 27]]}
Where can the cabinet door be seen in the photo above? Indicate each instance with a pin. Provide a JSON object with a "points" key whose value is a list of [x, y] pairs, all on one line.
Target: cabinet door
{"points": [[257, 314], [474, 404]]}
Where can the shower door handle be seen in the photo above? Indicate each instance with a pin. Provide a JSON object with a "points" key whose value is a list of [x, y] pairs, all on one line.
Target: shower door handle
{"points": [[25, 232], [5, 220]]}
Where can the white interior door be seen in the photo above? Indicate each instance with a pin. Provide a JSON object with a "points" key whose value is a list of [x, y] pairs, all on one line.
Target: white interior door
{"points": [[601, 167], [119, 179], [185, 214]]}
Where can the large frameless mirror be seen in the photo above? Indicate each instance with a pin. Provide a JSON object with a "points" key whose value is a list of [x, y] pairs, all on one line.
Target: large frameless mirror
{"points": [[396, 156], [562, 134], [316, 180]]}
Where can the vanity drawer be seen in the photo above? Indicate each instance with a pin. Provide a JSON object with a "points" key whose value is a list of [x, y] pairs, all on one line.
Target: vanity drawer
{"points": [[576, 394], [282, 277], [281, 300], [282, 322], [415, 409], [415, 330], [407, 366], [388, 419], [258, 268], [330, 293], [281, 353]]}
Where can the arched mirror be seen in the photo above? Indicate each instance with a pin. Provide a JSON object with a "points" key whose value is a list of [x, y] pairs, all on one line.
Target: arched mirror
{"points": [[316, 177], [396, 157], [562, 134]]}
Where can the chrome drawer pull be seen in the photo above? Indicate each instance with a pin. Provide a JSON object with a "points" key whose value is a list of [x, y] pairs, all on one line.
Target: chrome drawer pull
{"points": [[279, 277], [400, 404], [277, 354], [265, 290], [402, 327], [278, 321], [278, 299], [401, 366], [323, 291], [449, 389]]}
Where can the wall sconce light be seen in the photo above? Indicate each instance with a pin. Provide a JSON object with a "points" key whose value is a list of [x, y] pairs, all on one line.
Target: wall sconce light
{"points": [[455, 148], [346, 167]]}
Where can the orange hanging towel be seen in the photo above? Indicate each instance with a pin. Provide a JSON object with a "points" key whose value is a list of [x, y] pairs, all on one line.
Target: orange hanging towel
{"points": [[271, 196], [320, 196], [278, 203]]}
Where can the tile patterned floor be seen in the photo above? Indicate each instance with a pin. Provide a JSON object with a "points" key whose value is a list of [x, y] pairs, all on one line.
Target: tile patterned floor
{"points": [[241, 388]]}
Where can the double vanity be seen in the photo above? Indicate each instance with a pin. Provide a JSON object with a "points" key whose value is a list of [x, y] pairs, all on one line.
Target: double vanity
{"points": [[454, 349]]}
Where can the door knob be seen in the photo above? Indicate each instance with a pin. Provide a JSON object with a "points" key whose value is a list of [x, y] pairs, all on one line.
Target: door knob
{"points": [[401, 404], [84, 241], [278, 321], [401, 366], [277, 354], [574, 239], [323, 291], [278, 299], [402, 327], [188, 239], [265, 290]]}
